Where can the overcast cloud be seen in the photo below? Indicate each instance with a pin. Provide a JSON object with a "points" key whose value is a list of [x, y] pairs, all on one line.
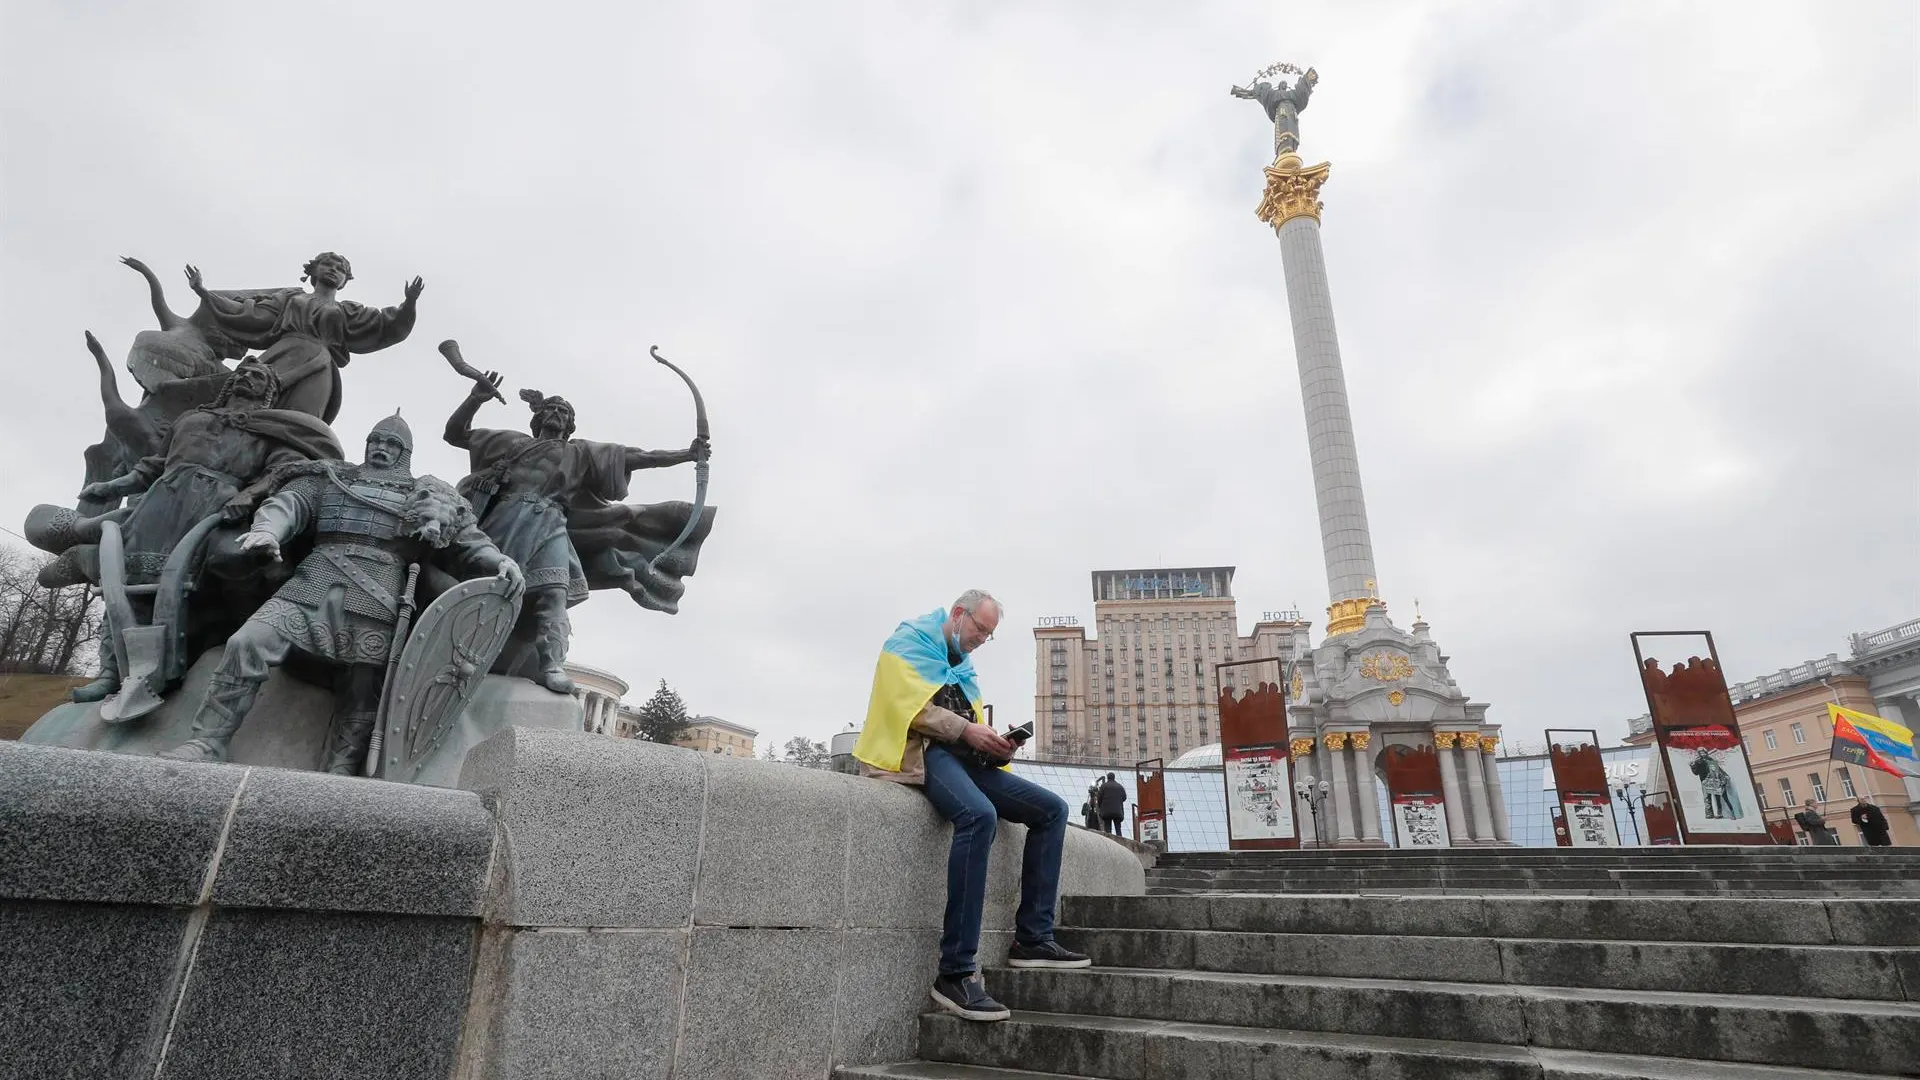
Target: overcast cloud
{"points": [[1626, 292]]}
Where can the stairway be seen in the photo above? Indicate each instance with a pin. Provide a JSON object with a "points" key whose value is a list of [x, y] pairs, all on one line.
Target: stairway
{"points": [[1246, 986], [1742, 871]]}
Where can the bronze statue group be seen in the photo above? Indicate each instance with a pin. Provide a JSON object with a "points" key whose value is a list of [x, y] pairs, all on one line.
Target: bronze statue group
{"points": [[220, 510]]}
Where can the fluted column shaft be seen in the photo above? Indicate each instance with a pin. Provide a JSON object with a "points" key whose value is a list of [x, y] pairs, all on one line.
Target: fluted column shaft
{"points": [[1450, 788], [1502, 828], [1336, 744], [1344, 536], [1477, 793], [1364, 790]]}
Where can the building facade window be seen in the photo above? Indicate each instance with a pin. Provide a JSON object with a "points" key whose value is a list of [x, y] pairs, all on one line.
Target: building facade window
{"points": [[1819, 789], [1846, 783], [1786, 792], [1799, 734], [1772, 743]]}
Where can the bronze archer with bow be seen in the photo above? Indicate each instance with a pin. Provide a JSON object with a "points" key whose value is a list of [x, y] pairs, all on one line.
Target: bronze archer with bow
{"points": [[552, 502]]}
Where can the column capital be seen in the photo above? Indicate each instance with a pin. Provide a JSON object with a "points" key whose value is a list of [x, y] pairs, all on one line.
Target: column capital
{"points": [[1292, 191], [1443, 740], [1361, 739], [1335, 740], [1489, 742], [1301, 748]]}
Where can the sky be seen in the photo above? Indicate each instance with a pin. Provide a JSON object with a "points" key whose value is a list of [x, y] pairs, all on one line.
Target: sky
{"points": [[1626, 294]]}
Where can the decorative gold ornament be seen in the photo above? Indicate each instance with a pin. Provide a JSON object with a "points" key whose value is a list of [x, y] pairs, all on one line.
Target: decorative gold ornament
{"points": [[1346, 616], [1292, 191], [1443, 740], [1361, 739], [1489, 743], [1301, 748], [1299, 687], [1385, 667], [1397, 697], [1334, 740], [1469, 740]]}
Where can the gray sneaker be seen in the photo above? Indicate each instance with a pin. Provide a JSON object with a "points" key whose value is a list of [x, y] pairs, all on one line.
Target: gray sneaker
{"points": [[966, 996], [1047, 954]]}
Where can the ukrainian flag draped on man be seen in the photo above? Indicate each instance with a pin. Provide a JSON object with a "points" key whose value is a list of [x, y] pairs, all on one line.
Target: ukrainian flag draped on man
{"points": [[913, 666]]}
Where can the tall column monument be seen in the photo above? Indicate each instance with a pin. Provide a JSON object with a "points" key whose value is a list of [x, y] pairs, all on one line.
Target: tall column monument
{"points": [[1383, 691]]}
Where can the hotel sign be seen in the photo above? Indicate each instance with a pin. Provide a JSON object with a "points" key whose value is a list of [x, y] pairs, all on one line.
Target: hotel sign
{"points": [[1178, 583], [1046, 621]]}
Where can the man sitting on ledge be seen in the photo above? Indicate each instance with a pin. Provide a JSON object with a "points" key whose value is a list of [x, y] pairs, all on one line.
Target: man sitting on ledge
{"points": [[925, 727]]}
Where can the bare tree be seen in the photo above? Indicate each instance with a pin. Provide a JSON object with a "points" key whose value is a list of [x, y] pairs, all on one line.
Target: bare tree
{"points": [[44, 631], [805, 752]]}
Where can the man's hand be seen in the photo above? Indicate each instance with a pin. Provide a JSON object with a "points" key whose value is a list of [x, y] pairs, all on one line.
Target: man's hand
{"points": [[515, 578], [193, 280], [699, 450], [262, 542], [987, 741], [100, 492], [414, 289]]}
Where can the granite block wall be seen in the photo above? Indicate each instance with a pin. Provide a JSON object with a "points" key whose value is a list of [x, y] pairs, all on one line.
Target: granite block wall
{"points": [[587, 907]]}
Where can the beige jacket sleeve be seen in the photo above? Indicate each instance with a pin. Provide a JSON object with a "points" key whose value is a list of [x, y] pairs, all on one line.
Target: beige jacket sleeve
{"points": [[941, 725]]}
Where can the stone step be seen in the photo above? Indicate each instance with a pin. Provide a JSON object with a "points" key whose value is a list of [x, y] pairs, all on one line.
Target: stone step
{"points": [[943, 1070], [1543, 876], [1554, 1064], [1521, 854], [1121, 1048], [1742, 920], [1874, 973], [1869, 1036], [1893, 889]]}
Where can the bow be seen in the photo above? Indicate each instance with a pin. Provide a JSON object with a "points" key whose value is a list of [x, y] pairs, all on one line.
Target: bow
{"points": [[699, 466]]}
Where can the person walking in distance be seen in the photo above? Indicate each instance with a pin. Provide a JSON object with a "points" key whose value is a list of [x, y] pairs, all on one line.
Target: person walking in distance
{"points": [[1814, 824], [926, 727], [1113, 804], [1871, 822]]}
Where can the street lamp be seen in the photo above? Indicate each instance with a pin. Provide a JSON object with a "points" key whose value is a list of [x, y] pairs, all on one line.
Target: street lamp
{"points": [[1626, 795], [1313, 794]]}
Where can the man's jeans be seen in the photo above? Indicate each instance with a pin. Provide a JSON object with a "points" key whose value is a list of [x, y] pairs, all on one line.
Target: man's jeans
{"points": [[975, 799]]}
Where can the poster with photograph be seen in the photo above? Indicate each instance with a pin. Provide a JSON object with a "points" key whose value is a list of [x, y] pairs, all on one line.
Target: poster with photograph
{"points": [[1420, 821], [1589, 823], [1152, 830], [1714, 786], [1259, 792]]}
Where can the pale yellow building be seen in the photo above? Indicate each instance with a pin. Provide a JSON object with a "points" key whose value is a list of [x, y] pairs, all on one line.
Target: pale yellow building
{"points": [[1789, 736], [1145, 684], [714, 735]]}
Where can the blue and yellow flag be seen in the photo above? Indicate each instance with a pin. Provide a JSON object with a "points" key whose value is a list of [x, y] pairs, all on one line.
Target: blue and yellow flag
{"points": [[913, 667], [1865, 739]]}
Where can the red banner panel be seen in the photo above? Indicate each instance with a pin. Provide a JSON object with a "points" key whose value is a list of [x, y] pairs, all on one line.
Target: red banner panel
{"points": [[1419, 807], [1256, 769], [1698, 736], [1150, 805], [1580, 777]]}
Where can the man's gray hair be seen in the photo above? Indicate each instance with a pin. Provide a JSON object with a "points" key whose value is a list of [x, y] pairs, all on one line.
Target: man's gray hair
{"points": [[970, 601]]}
